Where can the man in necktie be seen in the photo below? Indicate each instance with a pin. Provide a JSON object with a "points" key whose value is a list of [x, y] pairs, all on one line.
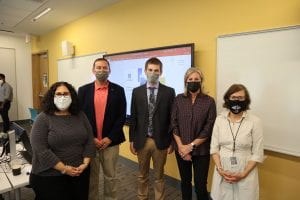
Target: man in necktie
{"points": [[149, 133]]}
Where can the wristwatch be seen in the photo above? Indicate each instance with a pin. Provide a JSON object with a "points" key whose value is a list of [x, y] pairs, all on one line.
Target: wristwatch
{"points": [[64, 170], [219, 168]]}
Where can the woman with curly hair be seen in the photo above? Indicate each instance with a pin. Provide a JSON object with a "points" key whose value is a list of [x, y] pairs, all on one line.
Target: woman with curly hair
{"points": [[62, 143]]}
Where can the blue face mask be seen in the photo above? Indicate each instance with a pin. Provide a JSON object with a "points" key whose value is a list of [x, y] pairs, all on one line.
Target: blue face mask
{"points": [[236, 106]]}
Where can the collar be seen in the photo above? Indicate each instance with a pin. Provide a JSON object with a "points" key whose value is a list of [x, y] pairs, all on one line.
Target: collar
{"points": [[226, 113], [156, 85], [97, 87]]}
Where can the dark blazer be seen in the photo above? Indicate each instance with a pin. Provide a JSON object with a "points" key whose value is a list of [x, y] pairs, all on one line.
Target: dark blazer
{"points": [[161, 117], [115, 111]]}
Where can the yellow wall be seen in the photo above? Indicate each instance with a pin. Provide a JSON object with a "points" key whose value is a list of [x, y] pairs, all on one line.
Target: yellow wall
{"points": [[138, 24]]}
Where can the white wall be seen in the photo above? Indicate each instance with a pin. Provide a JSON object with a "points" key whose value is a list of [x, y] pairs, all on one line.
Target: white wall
{"points": [[8, 67], [23, 71]]}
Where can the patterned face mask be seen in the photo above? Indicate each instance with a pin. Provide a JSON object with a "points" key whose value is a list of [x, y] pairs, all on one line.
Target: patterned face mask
{"points": [[102, 75], [237, 106], [152, 77], [62, 102]]}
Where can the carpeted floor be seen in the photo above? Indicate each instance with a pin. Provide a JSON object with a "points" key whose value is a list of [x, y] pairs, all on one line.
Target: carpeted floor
{"points": [[127, 186]]}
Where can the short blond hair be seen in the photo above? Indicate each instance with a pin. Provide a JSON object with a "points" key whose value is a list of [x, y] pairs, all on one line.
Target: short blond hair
{"points": [[186, 76]]}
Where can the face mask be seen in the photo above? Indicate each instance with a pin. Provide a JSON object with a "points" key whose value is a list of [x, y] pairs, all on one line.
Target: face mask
{"points": [[102, 75], [152, 77], [62, 102], [237, 106], [193, 86], [1, 81]]}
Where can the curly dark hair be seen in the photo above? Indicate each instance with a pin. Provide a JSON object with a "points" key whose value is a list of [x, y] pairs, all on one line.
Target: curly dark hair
{"points": [[48, 105]]}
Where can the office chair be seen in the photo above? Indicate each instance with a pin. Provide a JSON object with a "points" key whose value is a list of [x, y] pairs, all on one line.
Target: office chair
{"points": [[33, 114]]}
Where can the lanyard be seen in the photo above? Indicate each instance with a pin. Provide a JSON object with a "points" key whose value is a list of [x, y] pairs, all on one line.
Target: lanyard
{"points": [[234, 137]]}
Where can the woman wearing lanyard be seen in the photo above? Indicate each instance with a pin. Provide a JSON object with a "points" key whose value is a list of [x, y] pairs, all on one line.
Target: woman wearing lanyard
{"points": [[236, 148]]}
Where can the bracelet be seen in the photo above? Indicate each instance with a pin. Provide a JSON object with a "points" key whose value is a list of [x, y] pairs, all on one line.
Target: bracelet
{"points": [[219, 168], [193, 146], [65, 169]]}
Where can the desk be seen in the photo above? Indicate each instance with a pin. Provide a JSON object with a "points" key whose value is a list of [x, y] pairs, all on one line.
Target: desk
{"points": [[9, 182], [17, 182], [5, 186]]}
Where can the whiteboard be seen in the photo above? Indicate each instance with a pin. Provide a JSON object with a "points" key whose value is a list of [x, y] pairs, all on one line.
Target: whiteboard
{"points": [[77, 70], [268, 64]]}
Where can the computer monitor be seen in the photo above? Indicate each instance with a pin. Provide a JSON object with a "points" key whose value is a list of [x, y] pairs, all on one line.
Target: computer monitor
{"points": [[21, 135], [12, 144]]}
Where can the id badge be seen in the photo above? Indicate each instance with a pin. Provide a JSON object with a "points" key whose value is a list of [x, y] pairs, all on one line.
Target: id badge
{"points": [[233, 160]]}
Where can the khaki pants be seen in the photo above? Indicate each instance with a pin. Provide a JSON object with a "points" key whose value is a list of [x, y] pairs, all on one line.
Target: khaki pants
{"points": [[159, 159], [108, 159]]}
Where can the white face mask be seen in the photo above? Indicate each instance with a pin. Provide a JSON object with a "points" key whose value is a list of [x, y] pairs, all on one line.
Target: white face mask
{"points": [[1, 81], [62, 102]]}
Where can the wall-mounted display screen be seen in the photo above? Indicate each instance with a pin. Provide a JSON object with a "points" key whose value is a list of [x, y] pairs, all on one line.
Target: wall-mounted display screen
{"points": [[127, 68]]}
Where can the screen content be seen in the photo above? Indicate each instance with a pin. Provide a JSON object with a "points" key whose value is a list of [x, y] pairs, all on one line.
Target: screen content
{"points": [[127, 69]]}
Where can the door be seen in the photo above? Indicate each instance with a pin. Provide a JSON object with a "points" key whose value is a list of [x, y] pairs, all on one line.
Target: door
{"points": [[40, 77]]}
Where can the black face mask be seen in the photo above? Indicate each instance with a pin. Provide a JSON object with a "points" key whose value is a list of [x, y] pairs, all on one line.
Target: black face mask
{"points": [[193, 86], [237, 106]]}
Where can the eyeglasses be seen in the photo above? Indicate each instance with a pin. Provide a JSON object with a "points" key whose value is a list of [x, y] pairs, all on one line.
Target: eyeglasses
{"points": [[65, 94], [239, 98]]}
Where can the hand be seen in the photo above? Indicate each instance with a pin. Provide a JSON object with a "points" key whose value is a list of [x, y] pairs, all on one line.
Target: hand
{"points": [[238, 176], [82, 167], [170, 149], [132, 149], [71, 171], [187, 157], [225, 174], [230, 177], [104, 143], [97, 143], [184, 149]]}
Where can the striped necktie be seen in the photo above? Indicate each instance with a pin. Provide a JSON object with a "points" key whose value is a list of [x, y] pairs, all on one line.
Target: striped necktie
{"points": [[151, 106]]}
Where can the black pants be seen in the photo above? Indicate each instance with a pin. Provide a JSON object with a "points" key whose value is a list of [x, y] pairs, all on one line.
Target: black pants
{"points": [[61, 187], [200, 164], [4, 115]]}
